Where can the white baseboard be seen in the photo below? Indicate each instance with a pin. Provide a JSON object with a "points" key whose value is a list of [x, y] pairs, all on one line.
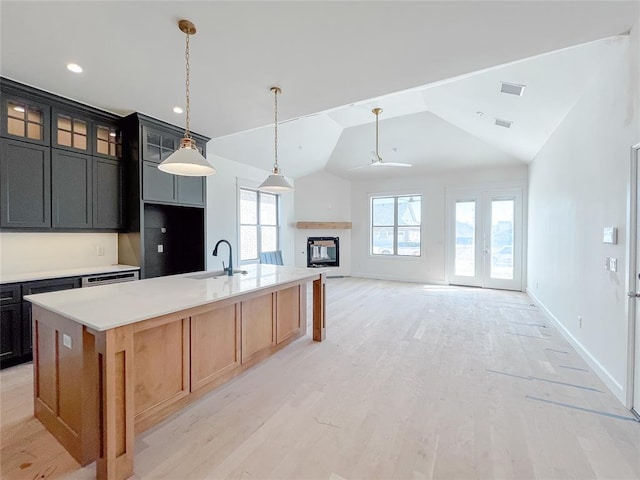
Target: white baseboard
{"points": [[397, 279], [613, 385]]}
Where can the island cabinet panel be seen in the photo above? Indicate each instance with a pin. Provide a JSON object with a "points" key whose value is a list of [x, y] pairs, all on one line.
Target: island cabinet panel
{"points": [[161, 370], [288, 314], [215, 344], [65, 383], [258, 326]]}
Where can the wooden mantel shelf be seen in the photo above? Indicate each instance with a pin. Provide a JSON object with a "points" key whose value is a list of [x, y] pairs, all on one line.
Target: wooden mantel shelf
{"points": [[321, 225]]}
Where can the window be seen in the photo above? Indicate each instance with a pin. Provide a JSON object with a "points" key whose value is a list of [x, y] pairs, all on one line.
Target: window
{"points": [[258, 224], [395, 225]]}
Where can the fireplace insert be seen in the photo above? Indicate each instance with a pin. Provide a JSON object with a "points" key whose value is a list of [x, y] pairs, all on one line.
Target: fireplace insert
{"points": [[323, 252]]}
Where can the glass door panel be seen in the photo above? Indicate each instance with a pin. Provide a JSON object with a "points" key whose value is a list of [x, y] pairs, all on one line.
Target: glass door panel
{"points": [[465, 239], [502, 223]]}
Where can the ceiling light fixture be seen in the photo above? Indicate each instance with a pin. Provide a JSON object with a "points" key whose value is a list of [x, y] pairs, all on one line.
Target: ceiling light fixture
{"points": [[177, 110], [187, 160], [275, 183], [74, 67], [376, 159], [512, 88]]}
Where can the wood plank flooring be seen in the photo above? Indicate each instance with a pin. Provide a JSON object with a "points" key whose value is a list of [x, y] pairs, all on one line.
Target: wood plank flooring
{"points": [[413, 381]]}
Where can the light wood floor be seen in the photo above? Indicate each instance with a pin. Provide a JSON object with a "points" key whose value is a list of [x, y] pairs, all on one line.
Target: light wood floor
{"points": [[413, 381]]}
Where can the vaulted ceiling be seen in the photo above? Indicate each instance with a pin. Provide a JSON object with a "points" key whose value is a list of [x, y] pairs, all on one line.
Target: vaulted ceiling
{"points": [[430, 65]]}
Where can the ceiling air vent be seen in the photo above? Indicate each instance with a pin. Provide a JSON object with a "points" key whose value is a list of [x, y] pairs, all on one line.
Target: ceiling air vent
{"points": [[512, 88], [503, 123]]}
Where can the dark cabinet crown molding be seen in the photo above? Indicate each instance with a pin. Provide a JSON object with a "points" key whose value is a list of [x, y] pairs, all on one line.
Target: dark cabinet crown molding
{"points": [[19, 89]]}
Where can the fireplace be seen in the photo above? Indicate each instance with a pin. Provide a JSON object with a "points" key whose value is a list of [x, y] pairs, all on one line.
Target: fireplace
{"points": [[323, 252]]}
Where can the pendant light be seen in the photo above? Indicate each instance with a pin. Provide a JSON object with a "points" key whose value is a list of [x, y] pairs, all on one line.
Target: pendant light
{"points": [[275, 183], [187, 160]]}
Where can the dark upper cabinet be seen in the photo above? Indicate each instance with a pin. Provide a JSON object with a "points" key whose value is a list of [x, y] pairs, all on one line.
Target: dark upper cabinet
{"points": [[25, 188], [157, 186], [108, 195], [56, 163], [191, 190], [25, 119], [71, 190]]}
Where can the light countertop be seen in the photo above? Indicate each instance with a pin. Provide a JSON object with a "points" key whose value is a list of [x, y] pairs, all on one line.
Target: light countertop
{"points": [[67, 272], [109, 306]]}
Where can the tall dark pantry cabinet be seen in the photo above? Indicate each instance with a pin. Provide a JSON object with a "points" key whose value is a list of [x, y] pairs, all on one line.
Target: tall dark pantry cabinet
{"points": [[166, 233]]}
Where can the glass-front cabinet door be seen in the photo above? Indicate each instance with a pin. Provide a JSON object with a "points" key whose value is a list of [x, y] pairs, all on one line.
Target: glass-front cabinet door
{"points": [[71, 131], [25, 120], [107, 140]]}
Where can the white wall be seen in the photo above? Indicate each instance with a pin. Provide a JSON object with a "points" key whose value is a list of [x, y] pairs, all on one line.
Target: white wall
{"points": [[578, 184], [222, 210], [36, 252], [323, 197], [431, 266]]}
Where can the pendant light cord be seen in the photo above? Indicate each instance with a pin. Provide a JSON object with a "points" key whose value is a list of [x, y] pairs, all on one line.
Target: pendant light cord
{"points": [[187, 133], [276, 128], [377, 156]]}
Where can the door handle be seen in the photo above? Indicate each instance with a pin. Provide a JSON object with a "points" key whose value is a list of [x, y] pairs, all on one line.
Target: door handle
{"points": [[633, 294]]}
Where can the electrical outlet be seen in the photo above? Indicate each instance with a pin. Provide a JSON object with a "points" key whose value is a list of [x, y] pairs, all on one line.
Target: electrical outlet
{"points": [[613, 264], [160, 248], [100, 250], [580, 321]]}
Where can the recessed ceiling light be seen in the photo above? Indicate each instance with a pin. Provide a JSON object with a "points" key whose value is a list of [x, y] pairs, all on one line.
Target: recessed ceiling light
{"points": [[18, 108], [504, 123], [479, 113], [512, 88], [177, 110], [74, 67]]}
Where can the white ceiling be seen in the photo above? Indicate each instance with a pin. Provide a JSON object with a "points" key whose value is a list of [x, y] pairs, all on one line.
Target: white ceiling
{"points": [[325, 55]]}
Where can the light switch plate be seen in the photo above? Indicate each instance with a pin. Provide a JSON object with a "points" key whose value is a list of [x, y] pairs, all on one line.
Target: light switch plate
{"points": [[66, 341], [610, 235], [613, 264], [160, 248]]}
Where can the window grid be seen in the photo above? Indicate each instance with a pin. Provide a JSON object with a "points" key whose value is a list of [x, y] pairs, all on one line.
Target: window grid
{"points": [[259, 224], [396, 223]]}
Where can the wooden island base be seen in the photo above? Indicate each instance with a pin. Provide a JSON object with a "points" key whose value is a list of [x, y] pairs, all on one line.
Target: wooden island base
{"points": [[95, 390]]}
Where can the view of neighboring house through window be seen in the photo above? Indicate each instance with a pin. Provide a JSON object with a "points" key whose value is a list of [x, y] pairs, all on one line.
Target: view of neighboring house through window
{"points": [[395, 225], [258, 224]]}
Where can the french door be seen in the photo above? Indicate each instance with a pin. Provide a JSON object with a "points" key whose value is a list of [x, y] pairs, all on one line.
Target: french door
{"points": [[485, 238]]}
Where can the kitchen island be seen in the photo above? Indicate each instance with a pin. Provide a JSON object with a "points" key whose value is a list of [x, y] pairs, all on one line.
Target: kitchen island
{"points": [[112, 361]]}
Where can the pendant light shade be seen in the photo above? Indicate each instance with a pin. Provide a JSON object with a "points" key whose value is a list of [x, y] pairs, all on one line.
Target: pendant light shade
{"points": [[275, 183], [187, 160]]}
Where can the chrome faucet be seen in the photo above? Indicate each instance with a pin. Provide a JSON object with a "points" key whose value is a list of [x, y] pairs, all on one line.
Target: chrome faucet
{"points": [[228, 269]]}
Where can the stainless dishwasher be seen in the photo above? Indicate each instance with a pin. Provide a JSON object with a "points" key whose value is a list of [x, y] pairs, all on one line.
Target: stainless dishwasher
{"points": [[107, 278]]}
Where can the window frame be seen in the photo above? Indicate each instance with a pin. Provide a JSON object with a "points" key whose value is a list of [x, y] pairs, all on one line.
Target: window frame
{"points": [[396, 227], [258, 224]]}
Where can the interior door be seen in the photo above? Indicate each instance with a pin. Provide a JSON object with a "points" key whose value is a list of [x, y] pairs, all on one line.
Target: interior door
{"points": [[633, 365], [485, 232]]}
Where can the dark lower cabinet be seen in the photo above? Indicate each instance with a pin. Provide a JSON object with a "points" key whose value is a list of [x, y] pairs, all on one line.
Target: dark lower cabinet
{"points": [[10, 334], [25, 185], [16, 338]]}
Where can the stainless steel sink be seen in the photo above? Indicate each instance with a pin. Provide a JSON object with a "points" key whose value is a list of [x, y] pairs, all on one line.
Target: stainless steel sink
{"points": [[216, 274]]}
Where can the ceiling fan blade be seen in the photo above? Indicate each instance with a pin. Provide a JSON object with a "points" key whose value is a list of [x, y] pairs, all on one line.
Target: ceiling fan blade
{"points": [[394, 164]]}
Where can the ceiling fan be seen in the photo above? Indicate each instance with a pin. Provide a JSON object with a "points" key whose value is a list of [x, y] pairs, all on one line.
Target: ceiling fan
{"points": [[376, 159]]}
